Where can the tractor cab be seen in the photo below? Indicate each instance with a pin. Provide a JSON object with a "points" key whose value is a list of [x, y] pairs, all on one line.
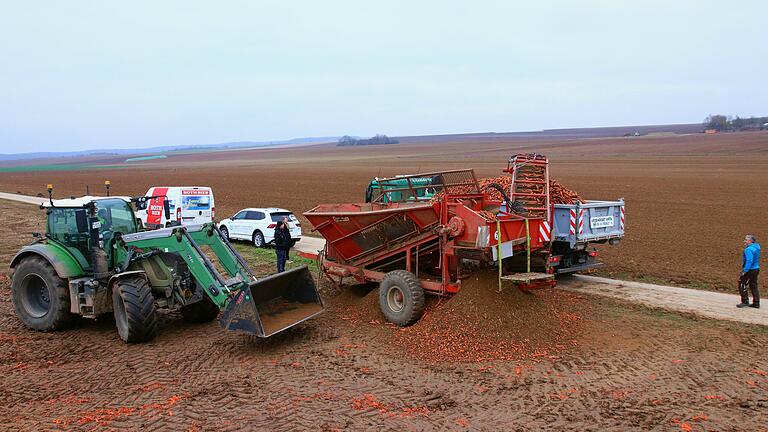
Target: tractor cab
{"points": [[68, 224]]}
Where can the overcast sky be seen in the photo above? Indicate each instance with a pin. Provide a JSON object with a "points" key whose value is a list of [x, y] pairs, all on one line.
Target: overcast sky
{"points": [[80, 75]]}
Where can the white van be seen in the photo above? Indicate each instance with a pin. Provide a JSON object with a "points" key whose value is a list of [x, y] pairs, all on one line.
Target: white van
{"points": [[189, 205]]}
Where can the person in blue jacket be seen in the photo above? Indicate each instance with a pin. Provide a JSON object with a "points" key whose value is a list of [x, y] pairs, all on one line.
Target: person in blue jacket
{"points": [[749, 270]]}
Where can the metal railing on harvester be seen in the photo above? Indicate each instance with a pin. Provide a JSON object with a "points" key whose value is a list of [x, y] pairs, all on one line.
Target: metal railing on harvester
{"points": [[420, 187]]}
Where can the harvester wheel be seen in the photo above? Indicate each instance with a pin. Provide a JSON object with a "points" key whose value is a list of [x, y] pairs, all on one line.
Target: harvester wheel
{"points": [[40, 296], [134, 307], [202, 311], [258, 239], [401, 297]]}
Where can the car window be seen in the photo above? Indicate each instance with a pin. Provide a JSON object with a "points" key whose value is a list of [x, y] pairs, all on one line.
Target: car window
{"points": [[255, 215], [278, 216], [240, 215]]}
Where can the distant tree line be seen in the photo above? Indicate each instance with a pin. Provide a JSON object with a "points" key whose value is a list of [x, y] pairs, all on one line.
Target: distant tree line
{"points": [[347, 140], [722, 123]]}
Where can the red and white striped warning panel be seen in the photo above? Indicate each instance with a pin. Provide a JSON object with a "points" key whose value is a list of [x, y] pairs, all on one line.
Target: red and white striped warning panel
{"points": [[544, 231], [622, 218], [581, 222], [573, 221]]}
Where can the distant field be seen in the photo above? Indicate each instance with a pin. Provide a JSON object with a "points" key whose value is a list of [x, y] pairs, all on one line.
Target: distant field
{"points": [[55, 167], [690, 198]]}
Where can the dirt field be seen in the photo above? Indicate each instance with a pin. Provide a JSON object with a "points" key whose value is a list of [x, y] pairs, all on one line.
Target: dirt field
{"points": [[690, 198], [569, 362]]}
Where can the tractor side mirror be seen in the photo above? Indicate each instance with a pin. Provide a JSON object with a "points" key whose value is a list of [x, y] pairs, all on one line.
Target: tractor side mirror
{"points": [[167, 209], [82, 221]]}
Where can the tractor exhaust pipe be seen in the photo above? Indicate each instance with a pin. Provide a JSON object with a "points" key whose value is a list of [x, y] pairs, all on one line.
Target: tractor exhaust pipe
{"points": [[98, 256]]}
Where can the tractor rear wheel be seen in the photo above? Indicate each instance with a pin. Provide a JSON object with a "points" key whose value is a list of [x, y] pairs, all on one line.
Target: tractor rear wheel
{"points": [[202, 311], [40, 296], [134, 307], [401, 297]]}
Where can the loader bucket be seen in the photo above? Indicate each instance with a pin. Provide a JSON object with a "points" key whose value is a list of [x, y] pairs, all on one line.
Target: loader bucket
{"points": [[273, 304]]}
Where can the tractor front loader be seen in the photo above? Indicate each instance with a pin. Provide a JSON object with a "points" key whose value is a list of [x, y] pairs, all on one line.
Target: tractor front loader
{"points": [[93, 260]]}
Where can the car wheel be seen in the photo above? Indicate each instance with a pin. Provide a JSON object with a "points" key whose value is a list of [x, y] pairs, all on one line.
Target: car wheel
{"points": [[258, 239], [224, 232]]}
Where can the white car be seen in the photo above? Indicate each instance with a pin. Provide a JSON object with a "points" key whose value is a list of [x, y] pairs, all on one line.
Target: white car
{"points": [[258, 225]]}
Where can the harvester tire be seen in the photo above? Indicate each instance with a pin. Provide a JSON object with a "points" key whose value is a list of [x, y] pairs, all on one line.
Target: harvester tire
{"points": [[40, 296], [202, 311], [401, 297], [258, 239], [134, 307]]}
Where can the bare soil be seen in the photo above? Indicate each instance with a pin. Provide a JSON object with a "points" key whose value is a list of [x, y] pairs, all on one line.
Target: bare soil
{"points": [[690, 198], [606, 366]]}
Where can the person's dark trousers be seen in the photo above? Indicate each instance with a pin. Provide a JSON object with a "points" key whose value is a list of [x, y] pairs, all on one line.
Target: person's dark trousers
{"points": [[749, 279], [282, 257]]}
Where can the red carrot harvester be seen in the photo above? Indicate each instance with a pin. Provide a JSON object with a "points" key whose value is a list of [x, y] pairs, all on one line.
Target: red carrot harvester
{"points": [[423, 233]]}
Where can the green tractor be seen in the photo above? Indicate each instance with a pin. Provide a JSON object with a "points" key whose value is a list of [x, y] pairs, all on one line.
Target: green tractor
{"points": [[93, 260]]}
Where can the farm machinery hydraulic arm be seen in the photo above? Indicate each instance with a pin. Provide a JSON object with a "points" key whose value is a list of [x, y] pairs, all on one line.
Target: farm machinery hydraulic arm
{"points": [[257, 306]]}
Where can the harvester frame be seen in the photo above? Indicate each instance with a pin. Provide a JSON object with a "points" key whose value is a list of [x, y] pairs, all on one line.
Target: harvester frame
{"points": [[369, 242]]}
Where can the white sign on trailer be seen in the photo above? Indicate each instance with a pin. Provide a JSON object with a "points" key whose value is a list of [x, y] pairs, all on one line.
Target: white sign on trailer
{"points": [[601, 222]]}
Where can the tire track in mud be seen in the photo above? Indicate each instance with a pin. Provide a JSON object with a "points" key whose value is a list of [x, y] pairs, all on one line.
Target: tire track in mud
{"points": [[635, 371]]}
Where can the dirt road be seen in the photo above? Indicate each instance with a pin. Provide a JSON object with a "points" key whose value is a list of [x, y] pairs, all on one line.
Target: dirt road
{"points": [[22, 198], [703, 303]]}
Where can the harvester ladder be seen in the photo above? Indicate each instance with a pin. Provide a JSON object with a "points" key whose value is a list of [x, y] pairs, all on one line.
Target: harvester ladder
{"points": [[530, 184]]}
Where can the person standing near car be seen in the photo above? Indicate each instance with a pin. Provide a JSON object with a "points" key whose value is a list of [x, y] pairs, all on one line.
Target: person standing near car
{"points": [[283, 243], [750, 268]]}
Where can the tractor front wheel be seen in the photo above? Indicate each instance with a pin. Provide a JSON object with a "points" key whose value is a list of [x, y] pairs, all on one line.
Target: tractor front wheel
{"points": [[202, 311], [401, 297], [40, 296], [134, 308]]}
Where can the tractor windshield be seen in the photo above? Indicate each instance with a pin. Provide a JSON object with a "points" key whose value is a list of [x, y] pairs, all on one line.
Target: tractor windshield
{"points": [[116, 215]]}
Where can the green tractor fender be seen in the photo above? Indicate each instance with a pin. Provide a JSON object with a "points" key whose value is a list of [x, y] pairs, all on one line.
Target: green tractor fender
{"points": [[124, 275], [60, 259]]}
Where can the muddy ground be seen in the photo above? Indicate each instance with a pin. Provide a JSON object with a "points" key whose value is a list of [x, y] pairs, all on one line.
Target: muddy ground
{"points": [[578, 363], [690, 198]]}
